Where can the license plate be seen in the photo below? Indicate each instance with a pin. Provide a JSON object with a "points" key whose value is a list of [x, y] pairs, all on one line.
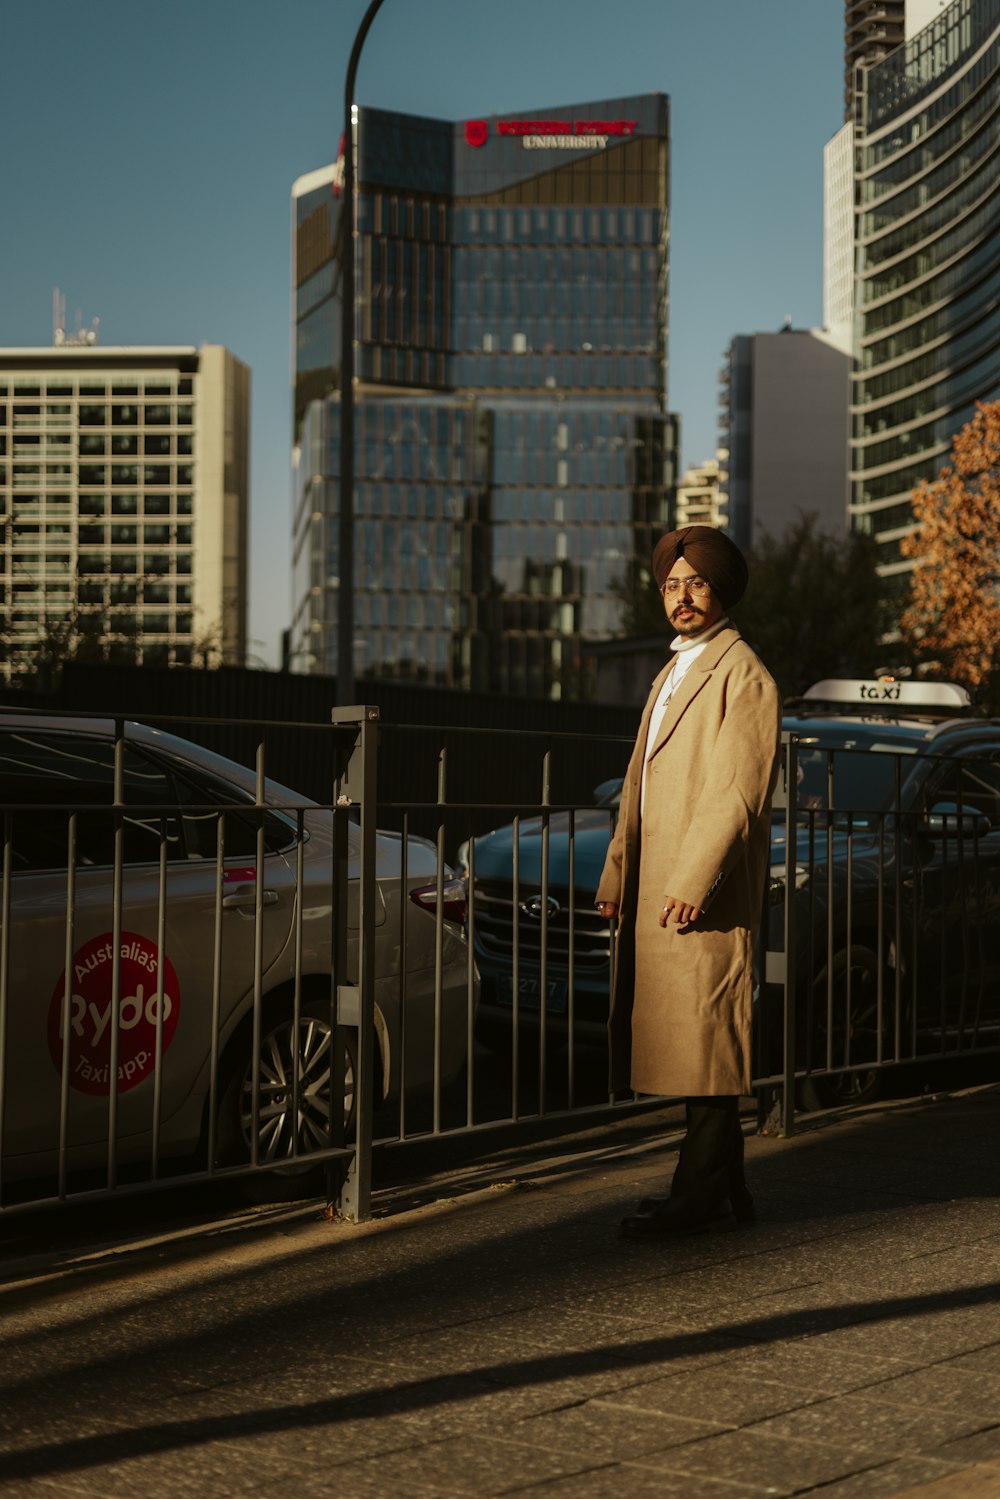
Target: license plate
{"points": [[529, 991]]}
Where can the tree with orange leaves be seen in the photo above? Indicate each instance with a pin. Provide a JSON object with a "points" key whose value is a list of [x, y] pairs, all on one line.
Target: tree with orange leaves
{"points": [[953, 610]]}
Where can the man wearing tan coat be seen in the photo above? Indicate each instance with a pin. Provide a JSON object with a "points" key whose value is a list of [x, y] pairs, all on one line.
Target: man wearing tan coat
{"points": [[685, 875]]}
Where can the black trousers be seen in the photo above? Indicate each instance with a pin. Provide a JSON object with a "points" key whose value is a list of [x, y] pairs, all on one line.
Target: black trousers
{"points": [[710, 1167]]}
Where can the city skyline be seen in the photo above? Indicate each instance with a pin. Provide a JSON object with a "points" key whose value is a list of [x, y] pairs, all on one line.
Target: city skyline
{"points": [[153, 187]]}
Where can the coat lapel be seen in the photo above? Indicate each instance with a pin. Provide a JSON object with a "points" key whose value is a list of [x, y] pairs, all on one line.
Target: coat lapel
{"points": [[694, 680]]}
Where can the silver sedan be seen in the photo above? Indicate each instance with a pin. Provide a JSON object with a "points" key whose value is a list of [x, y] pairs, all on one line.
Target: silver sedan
{"points": [[204, 895]]}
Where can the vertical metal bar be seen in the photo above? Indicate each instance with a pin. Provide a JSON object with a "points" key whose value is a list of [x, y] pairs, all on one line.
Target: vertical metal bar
{"points": [[897, 859], [360, 788], [943, 969], [300, 841], [213, 1064], [114, 1021], [439, 930], [258, 957], [831, 938], [404, 917], [5, 904], [880, 946], [65, 1026], [918, 905], [515, 986], [543, 980], [571, 963], [791, 966], [963, 912], [849, 921], [161, 950], [337, 1172], [980, 942], [470, 991]]}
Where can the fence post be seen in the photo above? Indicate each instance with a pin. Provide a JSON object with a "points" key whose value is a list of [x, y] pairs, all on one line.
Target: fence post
{"points": [[778, 968], [356, 787]]}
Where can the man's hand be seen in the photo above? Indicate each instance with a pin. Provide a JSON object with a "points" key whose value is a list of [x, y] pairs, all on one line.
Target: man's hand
{"points": [[678, 912]]}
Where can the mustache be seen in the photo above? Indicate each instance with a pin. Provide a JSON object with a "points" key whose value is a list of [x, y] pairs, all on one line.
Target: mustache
{"points": [[692, 608]]}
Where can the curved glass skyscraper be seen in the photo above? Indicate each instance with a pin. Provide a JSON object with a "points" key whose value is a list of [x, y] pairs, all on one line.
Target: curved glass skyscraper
{"points": [[927, 308]]}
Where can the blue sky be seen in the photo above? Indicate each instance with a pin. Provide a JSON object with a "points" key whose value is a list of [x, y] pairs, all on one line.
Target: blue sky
{"points": [[150, 151]]}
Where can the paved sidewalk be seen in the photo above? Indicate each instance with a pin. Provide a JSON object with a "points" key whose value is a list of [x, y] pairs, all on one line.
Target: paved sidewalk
{"points": [[504, 1340]]}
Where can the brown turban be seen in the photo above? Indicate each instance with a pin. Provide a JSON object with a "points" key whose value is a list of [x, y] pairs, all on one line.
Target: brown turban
{"points": [[712, 555]]}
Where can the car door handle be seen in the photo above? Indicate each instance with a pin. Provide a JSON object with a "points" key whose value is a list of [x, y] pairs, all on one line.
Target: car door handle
{"points": [[247, 899]]}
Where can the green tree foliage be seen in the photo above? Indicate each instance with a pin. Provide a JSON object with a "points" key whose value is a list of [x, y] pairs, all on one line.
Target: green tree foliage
{"points": [[813, 607]]}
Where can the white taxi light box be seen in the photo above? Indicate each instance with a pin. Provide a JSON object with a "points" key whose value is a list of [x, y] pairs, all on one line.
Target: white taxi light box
{"points": [[887, 690]]}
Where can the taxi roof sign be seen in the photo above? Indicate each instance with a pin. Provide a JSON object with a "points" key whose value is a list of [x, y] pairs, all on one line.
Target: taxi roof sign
{"points": [[889, 692]]}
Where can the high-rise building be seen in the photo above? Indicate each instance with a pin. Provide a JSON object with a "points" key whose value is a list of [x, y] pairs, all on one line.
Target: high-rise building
{"points": [[701, 496], [872, 29], [927, 252], [784, 423], [514, 459], [123, 500]]}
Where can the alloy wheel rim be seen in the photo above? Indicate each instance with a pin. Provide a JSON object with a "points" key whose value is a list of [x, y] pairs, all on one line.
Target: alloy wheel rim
{"points": [[279, 1136]]}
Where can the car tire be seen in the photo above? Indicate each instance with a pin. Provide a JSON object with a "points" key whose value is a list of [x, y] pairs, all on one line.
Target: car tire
{"points": [[846, 1088], [276, 1135]]}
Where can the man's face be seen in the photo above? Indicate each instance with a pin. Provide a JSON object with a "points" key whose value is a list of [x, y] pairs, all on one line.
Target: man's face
{"points": [[689, 603]]}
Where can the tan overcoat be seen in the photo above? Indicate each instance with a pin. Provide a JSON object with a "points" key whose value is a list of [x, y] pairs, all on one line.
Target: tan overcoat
{"points": [[683, 995]]}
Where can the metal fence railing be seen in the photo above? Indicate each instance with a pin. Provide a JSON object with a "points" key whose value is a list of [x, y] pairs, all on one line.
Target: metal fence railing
{"points": [[205, 975], [883, 933]]}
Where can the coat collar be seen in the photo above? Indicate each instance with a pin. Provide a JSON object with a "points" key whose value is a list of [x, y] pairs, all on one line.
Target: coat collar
{"points": [[692, 683]]}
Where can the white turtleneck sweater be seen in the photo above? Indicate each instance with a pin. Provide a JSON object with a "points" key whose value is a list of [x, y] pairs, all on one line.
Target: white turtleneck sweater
{"points": [[686, 651]]}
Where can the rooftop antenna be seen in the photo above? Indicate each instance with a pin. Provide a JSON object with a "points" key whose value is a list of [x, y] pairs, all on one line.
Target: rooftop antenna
{"points": [[82, 338], [58, 318]]}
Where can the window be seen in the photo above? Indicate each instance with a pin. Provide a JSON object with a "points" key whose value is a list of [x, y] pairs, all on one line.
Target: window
{"points": [[61, 773], [123, 444], [972, 783]]}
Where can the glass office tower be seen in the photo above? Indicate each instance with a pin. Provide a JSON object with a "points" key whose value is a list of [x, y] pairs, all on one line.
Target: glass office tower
{"points": [[514, 461], [927, 320]]}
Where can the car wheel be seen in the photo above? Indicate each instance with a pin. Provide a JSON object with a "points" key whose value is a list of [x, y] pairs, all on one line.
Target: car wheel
{"points": [[861, 1043], [279, 1133]]}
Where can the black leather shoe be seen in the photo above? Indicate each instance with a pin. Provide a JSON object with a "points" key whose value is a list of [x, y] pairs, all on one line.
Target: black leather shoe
{"points": [[741, 1203], [673, 1217]]}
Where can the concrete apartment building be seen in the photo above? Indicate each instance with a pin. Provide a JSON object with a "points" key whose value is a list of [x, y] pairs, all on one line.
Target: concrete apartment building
{"points": [[701, 497], [123, 503], [784, 424]]}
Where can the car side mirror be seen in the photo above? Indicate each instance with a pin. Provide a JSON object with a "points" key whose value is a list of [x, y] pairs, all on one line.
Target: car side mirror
{"points": [[948, 820]]}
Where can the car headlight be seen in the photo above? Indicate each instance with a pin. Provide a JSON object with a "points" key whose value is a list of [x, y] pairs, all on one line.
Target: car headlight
{"points": [[779, 875]]}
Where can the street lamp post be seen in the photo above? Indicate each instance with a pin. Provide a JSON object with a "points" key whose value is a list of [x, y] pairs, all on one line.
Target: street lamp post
{"points": [[345, 595]]}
